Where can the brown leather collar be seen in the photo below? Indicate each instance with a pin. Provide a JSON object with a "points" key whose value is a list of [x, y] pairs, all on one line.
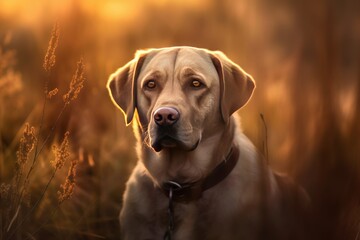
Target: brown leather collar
{"points": [[186, 192]]}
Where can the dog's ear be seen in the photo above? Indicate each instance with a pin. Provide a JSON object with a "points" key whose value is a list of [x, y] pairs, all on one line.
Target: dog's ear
{"points": [[236, 86], [122, 86]]}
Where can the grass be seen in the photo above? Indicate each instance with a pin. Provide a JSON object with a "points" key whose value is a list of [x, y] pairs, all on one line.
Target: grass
{"points": [[17, 209]]}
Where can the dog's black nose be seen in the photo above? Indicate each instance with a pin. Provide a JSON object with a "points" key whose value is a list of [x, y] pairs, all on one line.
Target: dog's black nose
{"points": [[166, 116]]}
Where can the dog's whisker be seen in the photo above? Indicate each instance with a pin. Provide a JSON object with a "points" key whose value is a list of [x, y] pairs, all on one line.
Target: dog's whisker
{"points": [[146, 139]]}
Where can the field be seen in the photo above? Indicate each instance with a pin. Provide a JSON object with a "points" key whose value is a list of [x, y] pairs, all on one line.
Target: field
{"points": [[65, 152]]}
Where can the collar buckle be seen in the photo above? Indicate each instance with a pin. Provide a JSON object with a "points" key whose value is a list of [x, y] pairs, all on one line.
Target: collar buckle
{"points": [[186, 192]]}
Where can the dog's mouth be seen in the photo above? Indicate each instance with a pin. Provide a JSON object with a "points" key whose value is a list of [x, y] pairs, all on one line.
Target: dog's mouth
{"points": [[168, 141], [164, 142]]}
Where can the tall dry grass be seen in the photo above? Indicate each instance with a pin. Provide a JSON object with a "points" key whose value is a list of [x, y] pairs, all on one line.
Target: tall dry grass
{"points": [[17, 209]]}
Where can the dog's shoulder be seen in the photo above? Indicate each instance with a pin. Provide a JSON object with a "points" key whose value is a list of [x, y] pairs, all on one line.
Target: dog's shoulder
{"points": [[141, 196], [139, 182]]}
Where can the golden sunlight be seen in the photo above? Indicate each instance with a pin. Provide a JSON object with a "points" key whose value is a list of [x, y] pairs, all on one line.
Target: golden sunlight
{"points": [[303, 56]]}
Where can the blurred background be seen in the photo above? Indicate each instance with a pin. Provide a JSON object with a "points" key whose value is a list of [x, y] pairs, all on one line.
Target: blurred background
{"points": [[304, 56]]}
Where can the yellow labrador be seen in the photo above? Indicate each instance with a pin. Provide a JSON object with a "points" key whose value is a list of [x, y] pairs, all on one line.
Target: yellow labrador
{"points": [[198, 176]]}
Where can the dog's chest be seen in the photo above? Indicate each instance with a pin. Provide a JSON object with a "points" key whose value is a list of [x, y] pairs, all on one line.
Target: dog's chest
{"points": [[207, 218]]}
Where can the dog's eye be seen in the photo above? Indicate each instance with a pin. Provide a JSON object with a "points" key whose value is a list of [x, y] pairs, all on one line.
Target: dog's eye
{"points": [[150, 84], [196, 83]]}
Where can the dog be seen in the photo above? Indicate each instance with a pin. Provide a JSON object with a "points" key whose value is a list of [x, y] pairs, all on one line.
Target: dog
{"points": [[198, 175]]}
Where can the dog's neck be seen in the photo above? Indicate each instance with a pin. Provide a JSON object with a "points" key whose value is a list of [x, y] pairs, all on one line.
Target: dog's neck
{"points": [[187, 166]]}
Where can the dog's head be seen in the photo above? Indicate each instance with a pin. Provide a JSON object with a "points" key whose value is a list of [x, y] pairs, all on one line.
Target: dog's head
{"points": [[181, 94]]}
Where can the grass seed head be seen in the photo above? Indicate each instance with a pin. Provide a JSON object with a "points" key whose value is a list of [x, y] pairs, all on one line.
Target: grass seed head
{"points": [[52, 93], [50, 57], [27, 143], [67, 189], [61, 153], [76, 84]]}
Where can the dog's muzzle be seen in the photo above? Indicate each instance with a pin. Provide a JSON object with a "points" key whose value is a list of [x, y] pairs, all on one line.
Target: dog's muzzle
{"points": [[165, 119], [165, 132]]}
